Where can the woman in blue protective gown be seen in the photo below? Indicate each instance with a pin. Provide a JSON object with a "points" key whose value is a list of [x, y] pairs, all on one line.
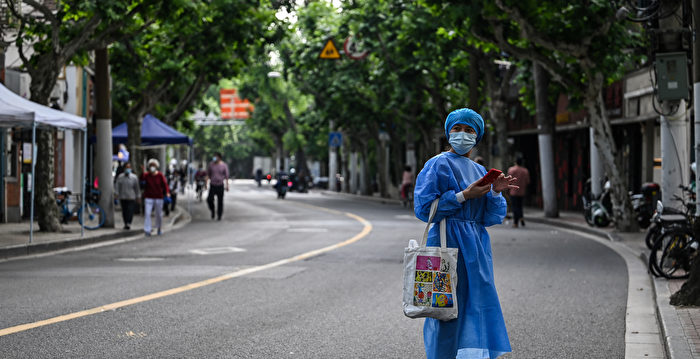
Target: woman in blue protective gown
{"points": [[479, 331]]}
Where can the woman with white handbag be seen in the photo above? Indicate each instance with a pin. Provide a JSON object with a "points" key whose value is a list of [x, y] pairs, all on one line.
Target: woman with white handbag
{"points": [[468, 205]]}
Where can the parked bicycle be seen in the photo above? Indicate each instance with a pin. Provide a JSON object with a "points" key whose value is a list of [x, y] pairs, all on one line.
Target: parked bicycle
{"points": [[672, 241], [90, 216]]}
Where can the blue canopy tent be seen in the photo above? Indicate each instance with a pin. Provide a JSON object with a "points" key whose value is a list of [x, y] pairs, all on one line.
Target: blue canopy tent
{"points": [[153, 132]]}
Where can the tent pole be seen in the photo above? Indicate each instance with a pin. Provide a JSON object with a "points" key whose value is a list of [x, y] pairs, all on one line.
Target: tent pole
{"points": [[31, 211], [84, 181]]}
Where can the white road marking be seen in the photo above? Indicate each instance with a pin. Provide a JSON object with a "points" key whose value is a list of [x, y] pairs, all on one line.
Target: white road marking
{"points": [[307, 230], [217, 250]]}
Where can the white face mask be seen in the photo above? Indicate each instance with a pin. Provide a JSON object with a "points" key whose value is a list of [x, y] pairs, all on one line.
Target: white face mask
{"points": [[152, 169]]}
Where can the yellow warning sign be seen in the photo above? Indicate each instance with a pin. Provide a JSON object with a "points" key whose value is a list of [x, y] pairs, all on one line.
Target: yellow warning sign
{"points": [[329, 51]]}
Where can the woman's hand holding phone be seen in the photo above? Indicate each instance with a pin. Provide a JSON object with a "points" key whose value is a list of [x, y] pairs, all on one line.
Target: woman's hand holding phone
{"points": [[476, 191]]}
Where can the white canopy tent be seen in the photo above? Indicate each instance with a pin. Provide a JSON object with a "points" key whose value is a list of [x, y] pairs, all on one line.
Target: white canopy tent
{"points": [[16, 111]]}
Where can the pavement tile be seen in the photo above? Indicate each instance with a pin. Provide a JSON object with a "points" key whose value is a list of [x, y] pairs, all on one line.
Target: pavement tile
{"points": [[634, 350]]}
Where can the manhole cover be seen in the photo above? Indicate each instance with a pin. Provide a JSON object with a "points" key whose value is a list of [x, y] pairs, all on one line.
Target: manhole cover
{"points": [[140, 259]]}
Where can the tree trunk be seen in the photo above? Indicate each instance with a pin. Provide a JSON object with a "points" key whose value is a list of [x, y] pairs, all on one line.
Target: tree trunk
{"points": [[498, 106], [545, 124], [133, 124], [499, 113], [381, 167], [44, 197], [622, 207], [365, 179], [689, 294], [300, 155]]}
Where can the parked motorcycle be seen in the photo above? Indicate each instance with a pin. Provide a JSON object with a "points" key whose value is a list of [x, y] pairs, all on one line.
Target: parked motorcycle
{"points": [[644, 203], [598, 209]]}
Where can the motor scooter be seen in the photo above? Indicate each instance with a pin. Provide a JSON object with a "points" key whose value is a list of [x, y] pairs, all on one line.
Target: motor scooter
{"points": [[644, 203], [598, 209], [283, 185]]}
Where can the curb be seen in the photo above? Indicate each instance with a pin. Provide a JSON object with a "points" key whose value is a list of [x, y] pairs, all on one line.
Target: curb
{"points": [[178, 221], [674, 338], [36, 248], [361, 197]]}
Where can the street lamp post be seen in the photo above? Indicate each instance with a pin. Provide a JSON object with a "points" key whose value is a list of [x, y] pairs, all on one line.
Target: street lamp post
{"points": [[696, 98]]}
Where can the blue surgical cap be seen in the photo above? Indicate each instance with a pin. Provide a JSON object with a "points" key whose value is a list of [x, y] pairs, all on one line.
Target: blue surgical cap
{"points": [[467, 117]]}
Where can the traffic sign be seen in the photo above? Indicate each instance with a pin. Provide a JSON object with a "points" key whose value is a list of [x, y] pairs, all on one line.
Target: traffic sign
{"points": [[351, 49], [329, 52], [335, 139]]}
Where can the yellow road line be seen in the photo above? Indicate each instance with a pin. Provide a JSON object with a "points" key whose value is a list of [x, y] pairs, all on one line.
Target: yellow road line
{"points": [[62, 318]]}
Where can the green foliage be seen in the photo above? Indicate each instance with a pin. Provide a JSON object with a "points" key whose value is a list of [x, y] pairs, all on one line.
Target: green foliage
{"points": [[193, 43]]}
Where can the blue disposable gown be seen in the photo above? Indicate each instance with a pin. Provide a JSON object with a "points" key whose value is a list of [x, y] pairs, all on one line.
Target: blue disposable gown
{"points": [[479, 331]]}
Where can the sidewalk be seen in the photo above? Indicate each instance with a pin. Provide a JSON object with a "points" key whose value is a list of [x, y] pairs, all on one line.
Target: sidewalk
{"points": [[14, 237], [680, 326]]}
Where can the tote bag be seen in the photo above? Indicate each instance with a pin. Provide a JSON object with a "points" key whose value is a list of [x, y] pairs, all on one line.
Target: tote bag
{"points": [[430, 276]]}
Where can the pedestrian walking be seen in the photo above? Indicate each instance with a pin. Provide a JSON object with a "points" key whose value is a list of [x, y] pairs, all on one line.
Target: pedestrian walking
{"points": [[128, 192], [155, 188], [218, 180], [174, 186], [517, 195], [200, 178], [406, 184], [451, 176]]}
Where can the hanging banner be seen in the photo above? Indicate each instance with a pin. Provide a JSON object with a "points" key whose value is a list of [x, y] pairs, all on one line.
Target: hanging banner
{"points": [[232, 107]]}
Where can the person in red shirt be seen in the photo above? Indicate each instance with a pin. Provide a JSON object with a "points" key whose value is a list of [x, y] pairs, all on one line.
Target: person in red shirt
{"points": [[155, 189], [517, 195]]}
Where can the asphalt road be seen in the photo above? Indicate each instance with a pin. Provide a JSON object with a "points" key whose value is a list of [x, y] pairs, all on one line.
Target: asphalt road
{"points": [[562, 296]]}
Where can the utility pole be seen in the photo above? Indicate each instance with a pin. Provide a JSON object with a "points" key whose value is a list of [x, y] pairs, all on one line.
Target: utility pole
{"points": [[545, 129], [2, 61], [103, 157], [671, 77], [332, 161], [696, 97]]}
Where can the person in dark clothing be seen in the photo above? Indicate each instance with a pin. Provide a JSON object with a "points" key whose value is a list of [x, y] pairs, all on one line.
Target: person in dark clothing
{"points": [[174, 185], [128, 192], [517, 195], [218, 180]]}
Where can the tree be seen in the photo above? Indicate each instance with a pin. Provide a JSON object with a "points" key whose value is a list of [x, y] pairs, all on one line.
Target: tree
{"points": [[582, 46], [180, 55], [58, 36]]}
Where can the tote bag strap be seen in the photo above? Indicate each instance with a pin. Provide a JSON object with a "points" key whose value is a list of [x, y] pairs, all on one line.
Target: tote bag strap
{"points": [[443, 226]]}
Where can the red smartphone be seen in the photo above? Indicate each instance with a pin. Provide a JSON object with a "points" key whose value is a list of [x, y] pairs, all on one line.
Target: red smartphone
{"points": [[489, 177]]}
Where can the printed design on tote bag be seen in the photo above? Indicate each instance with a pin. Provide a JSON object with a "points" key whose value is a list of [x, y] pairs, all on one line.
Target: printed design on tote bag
{"points": [[442, 282], [432, 286], [428, 263], [442, 300], [445, 266], [424, 276], [422, 294]]}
